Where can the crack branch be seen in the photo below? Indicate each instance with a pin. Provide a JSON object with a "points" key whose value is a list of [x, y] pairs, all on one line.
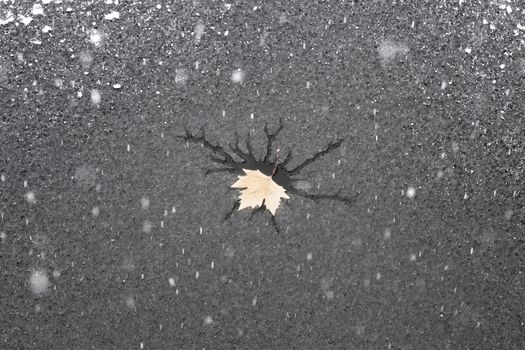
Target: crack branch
{"points": [[228, 160], [271, 139], [235, 206], [323, 196], [332, 146]]}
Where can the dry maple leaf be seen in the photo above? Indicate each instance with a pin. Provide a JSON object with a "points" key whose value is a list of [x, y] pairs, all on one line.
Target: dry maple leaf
{"points": [[259, 189]]}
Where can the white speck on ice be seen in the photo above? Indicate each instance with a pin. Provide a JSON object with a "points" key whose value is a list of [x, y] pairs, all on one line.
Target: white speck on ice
{"points": [[25, 20], [46, 29], [95, 97], [208, 320], [39, 282], [198, 30], [411, 192], [309, 256], [471, 250], [444, 85], [3, 235], [7, 17], [254, 301], [388, 233], [45, 2], [197, 274], [237, 76], [112, 15], [468, 50], [37, 10], [226, 33], [171, 281], [2, 178], [412, 257], [117, 86], [30, 197], [95, 36], [378, 276]]}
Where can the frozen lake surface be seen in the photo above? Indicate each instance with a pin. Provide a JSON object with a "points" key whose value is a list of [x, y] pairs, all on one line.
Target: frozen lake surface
{"points": [[113, 235]]}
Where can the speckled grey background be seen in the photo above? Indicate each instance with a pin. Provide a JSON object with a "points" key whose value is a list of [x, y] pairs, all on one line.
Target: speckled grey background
{"points": [[112, 236]]}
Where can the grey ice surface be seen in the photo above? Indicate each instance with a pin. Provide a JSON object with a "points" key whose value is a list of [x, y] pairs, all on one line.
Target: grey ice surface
{"points": [[111, 235]]}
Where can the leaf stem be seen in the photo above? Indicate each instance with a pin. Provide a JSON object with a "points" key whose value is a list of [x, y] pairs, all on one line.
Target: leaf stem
{"points": [[276, 162]]}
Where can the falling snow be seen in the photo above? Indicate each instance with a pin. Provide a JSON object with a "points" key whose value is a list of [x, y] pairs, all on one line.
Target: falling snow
{"points": [[411, 192], [198, 31], [147, 226], [30, 197], [39, 283], [389, 50], [144, 202], [100, 200], [237, 76], [95, 37], [96, 98]]}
